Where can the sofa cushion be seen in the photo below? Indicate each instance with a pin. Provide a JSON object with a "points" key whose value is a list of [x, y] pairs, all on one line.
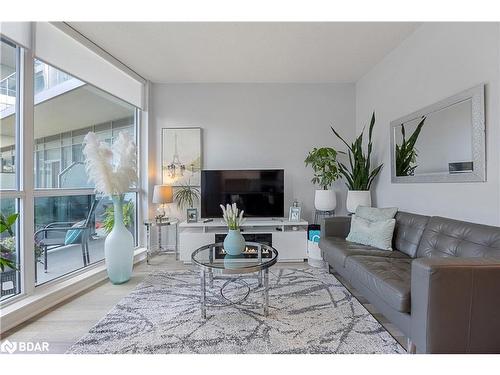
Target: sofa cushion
{"points": [[388, 278], [372, 233], [375, 213], [408, 232], [336, 250], [445, 237]]}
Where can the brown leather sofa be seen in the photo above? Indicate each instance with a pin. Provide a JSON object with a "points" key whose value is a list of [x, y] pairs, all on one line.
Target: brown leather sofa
{"points": [[440, 285]]}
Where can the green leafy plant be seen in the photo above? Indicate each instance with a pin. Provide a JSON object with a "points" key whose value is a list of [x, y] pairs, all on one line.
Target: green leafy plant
{"points": [[109, 216], [406, 153], [359, 175], [7, 246], [324, 164], [186, 196]]}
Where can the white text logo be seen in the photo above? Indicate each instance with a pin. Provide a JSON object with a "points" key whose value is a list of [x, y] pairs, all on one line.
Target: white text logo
{"points": [[24, 347]]}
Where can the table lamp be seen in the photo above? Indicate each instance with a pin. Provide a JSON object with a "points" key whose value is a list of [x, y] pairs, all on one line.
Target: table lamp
{"points": [[162, 194]]}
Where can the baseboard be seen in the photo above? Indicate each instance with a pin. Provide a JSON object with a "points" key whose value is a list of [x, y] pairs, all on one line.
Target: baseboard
{"points": [[26, 308]]}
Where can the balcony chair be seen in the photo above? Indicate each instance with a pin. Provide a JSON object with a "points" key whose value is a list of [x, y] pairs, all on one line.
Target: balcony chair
{"points": [[55, 235]]}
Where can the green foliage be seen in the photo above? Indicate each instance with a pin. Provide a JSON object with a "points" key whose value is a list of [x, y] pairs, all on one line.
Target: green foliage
{"points": [[6, 248], [324, 164], [359, 175], [186, 196], [406, 154], [109, 216]]}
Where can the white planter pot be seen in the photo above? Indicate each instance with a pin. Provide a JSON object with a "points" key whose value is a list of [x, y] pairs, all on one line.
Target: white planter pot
{"points": [[325, 200], [357, 198]]}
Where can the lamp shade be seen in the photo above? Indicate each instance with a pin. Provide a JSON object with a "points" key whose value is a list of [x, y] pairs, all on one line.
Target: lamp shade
{"points": [[163, 194]]}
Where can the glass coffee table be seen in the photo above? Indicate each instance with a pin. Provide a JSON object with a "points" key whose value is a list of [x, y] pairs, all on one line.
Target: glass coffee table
{"points": [[212, 258]]}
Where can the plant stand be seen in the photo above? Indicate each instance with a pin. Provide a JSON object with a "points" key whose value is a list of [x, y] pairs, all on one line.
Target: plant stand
{"points": [[318, 215]]}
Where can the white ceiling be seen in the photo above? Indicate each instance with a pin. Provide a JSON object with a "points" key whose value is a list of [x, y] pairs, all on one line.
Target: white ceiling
{"points": [[248, 52]]}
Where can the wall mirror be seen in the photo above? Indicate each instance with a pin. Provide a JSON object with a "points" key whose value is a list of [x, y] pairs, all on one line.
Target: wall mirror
{"points": [[444, 142]]}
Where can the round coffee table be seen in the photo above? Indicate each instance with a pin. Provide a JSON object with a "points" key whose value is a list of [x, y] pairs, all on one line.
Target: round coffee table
{"points": [[257, 257]]}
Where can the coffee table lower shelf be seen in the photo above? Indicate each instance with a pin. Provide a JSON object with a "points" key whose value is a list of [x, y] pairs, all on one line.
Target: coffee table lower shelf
{"points": [[263, 281]]}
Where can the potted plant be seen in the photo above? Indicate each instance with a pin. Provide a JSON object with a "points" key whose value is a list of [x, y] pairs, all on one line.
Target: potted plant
{"points": [[114, 170], [8, 256], [234, 243], [359, 174], [7, 244], [128, 216], [186, 196], [406, 153], [324, 164]]}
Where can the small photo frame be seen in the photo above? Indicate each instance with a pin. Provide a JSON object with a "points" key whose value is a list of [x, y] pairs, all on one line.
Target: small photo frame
{"points": [[192, 215], [294, 213]]}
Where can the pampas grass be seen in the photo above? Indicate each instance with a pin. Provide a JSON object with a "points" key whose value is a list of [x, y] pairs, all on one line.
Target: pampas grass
{"points": [[113, 169]]}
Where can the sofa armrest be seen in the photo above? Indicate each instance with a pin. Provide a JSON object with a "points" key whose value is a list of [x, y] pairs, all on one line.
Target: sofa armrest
{"points": [[337, 226], [455, 305]]}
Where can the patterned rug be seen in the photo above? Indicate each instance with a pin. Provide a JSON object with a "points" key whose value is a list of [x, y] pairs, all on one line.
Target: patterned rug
{"points": [[310, 312]]}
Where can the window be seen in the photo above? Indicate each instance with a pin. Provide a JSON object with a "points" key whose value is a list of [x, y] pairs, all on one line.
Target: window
{"points": [[8, 109], [10, 282], [61, 223], [70, 221]]}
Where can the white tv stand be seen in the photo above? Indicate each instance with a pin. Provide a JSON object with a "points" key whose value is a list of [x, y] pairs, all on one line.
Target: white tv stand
{"points": [[288, 237]]}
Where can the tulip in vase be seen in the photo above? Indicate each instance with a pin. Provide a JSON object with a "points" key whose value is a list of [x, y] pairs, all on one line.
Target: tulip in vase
{"points": [[113, 170]]}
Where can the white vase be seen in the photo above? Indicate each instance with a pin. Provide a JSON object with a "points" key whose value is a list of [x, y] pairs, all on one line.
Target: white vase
{"points": [[119, 247], [325, 200], [357, 198]]}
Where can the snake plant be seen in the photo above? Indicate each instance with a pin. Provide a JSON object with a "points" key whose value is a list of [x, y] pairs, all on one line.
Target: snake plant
{"points": [[359, 174], [406, 153]]}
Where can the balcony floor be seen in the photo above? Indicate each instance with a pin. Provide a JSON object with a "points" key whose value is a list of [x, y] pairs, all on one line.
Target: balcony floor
{"points": [[66, 259]]}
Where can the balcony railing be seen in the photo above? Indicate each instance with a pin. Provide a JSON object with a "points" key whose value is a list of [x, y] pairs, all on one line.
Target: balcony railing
{"points": [[8, 92]]}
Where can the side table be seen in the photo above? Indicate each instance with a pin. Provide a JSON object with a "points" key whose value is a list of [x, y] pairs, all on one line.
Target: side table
{"points": [[161, 250]]}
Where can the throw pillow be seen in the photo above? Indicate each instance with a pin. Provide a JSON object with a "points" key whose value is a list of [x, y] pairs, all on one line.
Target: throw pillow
{"points": [[376, 214], [377, 234], [74, 235]]}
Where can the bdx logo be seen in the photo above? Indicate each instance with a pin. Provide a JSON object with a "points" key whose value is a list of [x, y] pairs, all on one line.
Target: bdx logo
{"points": [[24, 347]]}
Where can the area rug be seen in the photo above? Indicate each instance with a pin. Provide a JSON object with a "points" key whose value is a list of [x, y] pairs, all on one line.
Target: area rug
{"points": [[310, 312]]}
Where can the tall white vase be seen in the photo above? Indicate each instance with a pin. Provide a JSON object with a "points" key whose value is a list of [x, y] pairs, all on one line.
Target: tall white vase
{"points": [[357, 198], [119, 247], [325, 200]]}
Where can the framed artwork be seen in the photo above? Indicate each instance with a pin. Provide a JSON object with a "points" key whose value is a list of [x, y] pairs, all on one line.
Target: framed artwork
{"points": [[192, 215], [294, 213], [181, 156]]}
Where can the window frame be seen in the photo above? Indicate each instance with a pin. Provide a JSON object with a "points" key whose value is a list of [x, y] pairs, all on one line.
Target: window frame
{"points": [[25, 191], [17, 192]]}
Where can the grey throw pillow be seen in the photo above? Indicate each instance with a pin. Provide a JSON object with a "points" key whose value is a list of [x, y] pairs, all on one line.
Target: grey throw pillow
{"points": [[373, 233]]}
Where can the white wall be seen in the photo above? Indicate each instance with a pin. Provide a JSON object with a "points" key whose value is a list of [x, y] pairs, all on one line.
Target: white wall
{"points": [[260, 126], [438, 60]]}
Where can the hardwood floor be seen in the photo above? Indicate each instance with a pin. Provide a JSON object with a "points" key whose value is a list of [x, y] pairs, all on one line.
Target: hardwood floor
{"points": [[64, 324]]}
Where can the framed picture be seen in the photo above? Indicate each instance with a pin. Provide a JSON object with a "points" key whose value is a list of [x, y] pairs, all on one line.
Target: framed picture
{"points": [[181, 156], [294, 213], [192, 215]]}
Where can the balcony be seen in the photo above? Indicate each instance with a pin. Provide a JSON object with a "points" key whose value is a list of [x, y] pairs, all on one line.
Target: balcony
{"points": [[65, 259]]}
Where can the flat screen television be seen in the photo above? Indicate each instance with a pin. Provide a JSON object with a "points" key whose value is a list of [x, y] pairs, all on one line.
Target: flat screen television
{"points": [[261, 193]]}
